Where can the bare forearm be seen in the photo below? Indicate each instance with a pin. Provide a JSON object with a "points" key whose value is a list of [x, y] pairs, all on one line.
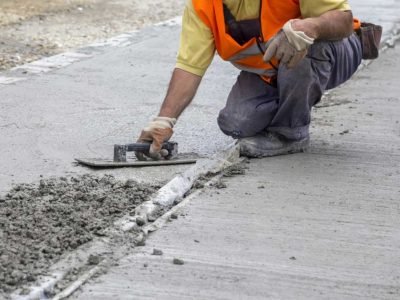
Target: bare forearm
{"points": [[181, 91], [332, 25]]}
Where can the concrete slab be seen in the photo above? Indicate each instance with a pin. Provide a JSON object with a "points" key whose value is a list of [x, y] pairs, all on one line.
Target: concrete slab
{"points": [[319, 225], [247, 249], [83, 109]]}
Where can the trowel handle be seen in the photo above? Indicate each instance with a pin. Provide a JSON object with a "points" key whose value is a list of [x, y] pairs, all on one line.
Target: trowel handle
{"points": [[145, 147], [120, 150], [139, 147]]}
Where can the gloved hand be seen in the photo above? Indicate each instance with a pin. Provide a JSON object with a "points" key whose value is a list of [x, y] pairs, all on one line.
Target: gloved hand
{"points": [[156, 132], [288, 46]]}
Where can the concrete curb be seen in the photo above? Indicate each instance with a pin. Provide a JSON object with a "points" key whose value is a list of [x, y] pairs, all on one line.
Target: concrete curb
{"points": [[154, 209], [176, 189]]}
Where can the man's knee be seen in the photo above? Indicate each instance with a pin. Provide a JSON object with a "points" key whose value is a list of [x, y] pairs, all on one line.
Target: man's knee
{"points": [[235, 126], [248, 119]]}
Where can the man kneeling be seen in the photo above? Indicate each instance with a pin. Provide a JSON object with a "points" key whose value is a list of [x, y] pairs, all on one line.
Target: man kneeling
{"points": [[289, 53]]}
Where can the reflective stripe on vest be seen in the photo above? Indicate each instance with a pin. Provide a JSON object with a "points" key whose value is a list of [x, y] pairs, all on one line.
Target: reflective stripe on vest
{"points": [[262, 72]]}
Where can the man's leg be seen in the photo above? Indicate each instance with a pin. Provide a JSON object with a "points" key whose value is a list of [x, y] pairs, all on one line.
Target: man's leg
{"points": [[327, 65], [250, 108]]}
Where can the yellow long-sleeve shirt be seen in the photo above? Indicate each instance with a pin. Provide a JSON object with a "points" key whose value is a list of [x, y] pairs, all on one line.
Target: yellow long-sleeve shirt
{"points": [[197, 48]]}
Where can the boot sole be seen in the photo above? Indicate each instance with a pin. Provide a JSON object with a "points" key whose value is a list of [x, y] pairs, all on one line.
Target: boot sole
{"points": [[294, 147]]}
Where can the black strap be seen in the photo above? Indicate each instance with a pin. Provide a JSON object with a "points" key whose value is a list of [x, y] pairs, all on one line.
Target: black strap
{"points": [[260, 17], [234, 29]]}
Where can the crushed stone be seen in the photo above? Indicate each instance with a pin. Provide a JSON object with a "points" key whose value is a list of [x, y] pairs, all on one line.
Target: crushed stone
{"points": [[141, 243], [94, 259], [234, 170], [140, 221], [178, 261], [40, 222], [220, 184], [157, 252]]}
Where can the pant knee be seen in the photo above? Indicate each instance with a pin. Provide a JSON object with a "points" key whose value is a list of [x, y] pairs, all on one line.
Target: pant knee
{"points": [[235, 127]]}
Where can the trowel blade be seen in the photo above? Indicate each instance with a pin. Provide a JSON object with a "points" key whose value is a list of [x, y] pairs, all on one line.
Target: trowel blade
{"points": [[109, 163]]}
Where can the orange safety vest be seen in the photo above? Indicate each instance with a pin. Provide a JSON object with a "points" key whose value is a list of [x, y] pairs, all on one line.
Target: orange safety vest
{"points": [[247, 57]]}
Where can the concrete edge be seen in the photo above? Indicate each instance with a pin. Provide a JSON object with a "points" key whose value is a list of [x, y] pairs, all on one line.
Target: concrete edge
{"points": [[76, 284], [161, 221], [174, 191], [157, 209], [146, 229]]}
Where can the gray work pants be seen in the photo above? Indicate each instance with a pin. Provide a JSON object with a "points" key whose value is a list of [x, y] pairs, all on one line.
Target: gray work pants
{"points": [[254, 106]]}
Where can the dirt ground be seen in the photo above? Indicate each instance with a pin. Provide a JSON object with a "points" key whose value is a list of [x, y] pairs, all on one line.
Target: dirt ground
{"points": [[31, 29]]}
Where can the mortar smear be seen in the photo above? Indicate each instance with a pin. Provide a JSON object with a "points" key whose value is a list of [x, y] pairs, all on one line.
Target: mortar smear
{"points": [[38, 223]]}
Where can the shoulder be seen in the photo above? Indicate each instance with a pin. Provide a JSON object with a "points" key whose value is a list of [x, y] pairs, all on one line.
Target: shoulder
{"points": [[204, 9]]}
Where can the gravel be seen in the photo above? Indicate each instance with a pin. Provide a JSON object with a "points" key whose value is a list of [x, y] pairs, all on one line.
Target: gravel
{"points": [[32, 29], [157, 252], [178, 261], [38, 223]]}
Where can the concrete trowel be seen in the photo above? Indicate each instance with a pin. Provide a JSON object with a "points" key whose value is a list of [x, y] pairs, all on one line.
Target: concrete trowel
{"points": [[121, 158]]}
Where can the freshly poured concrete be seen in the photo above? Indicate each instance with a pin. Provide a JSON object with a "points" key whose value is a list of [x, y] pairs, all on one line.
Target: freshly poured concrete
{"points": [[325, 225], [83, 109], [318, 225]]}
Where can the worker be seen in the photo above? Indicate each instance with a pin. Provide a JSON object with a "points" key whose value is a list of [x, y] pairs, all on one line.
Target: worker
{"points": [[288, 52]]}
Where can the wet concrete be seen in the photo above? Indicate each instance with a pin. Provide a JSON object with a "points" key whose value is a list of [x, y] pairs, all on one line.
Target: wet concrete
{"points": [[81, 111], [39, 223], [85, 108], [317, 225]]}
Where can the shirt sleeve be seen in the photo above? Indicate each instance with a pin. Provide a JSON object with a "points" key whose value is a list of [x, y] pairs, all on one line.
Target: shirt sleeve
{"points": [[315, 8], [197, 48]]}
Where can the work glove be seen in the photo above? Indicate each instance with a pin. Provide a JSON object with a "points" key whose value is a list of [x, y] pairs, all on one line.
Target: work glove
{"points": [[156, 132], [288, 46]]}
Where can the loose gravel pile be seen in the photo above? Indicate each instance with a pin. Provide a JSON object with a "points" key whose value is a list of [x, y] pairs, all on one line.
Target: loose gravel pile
{"points": [[38, 223]]}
